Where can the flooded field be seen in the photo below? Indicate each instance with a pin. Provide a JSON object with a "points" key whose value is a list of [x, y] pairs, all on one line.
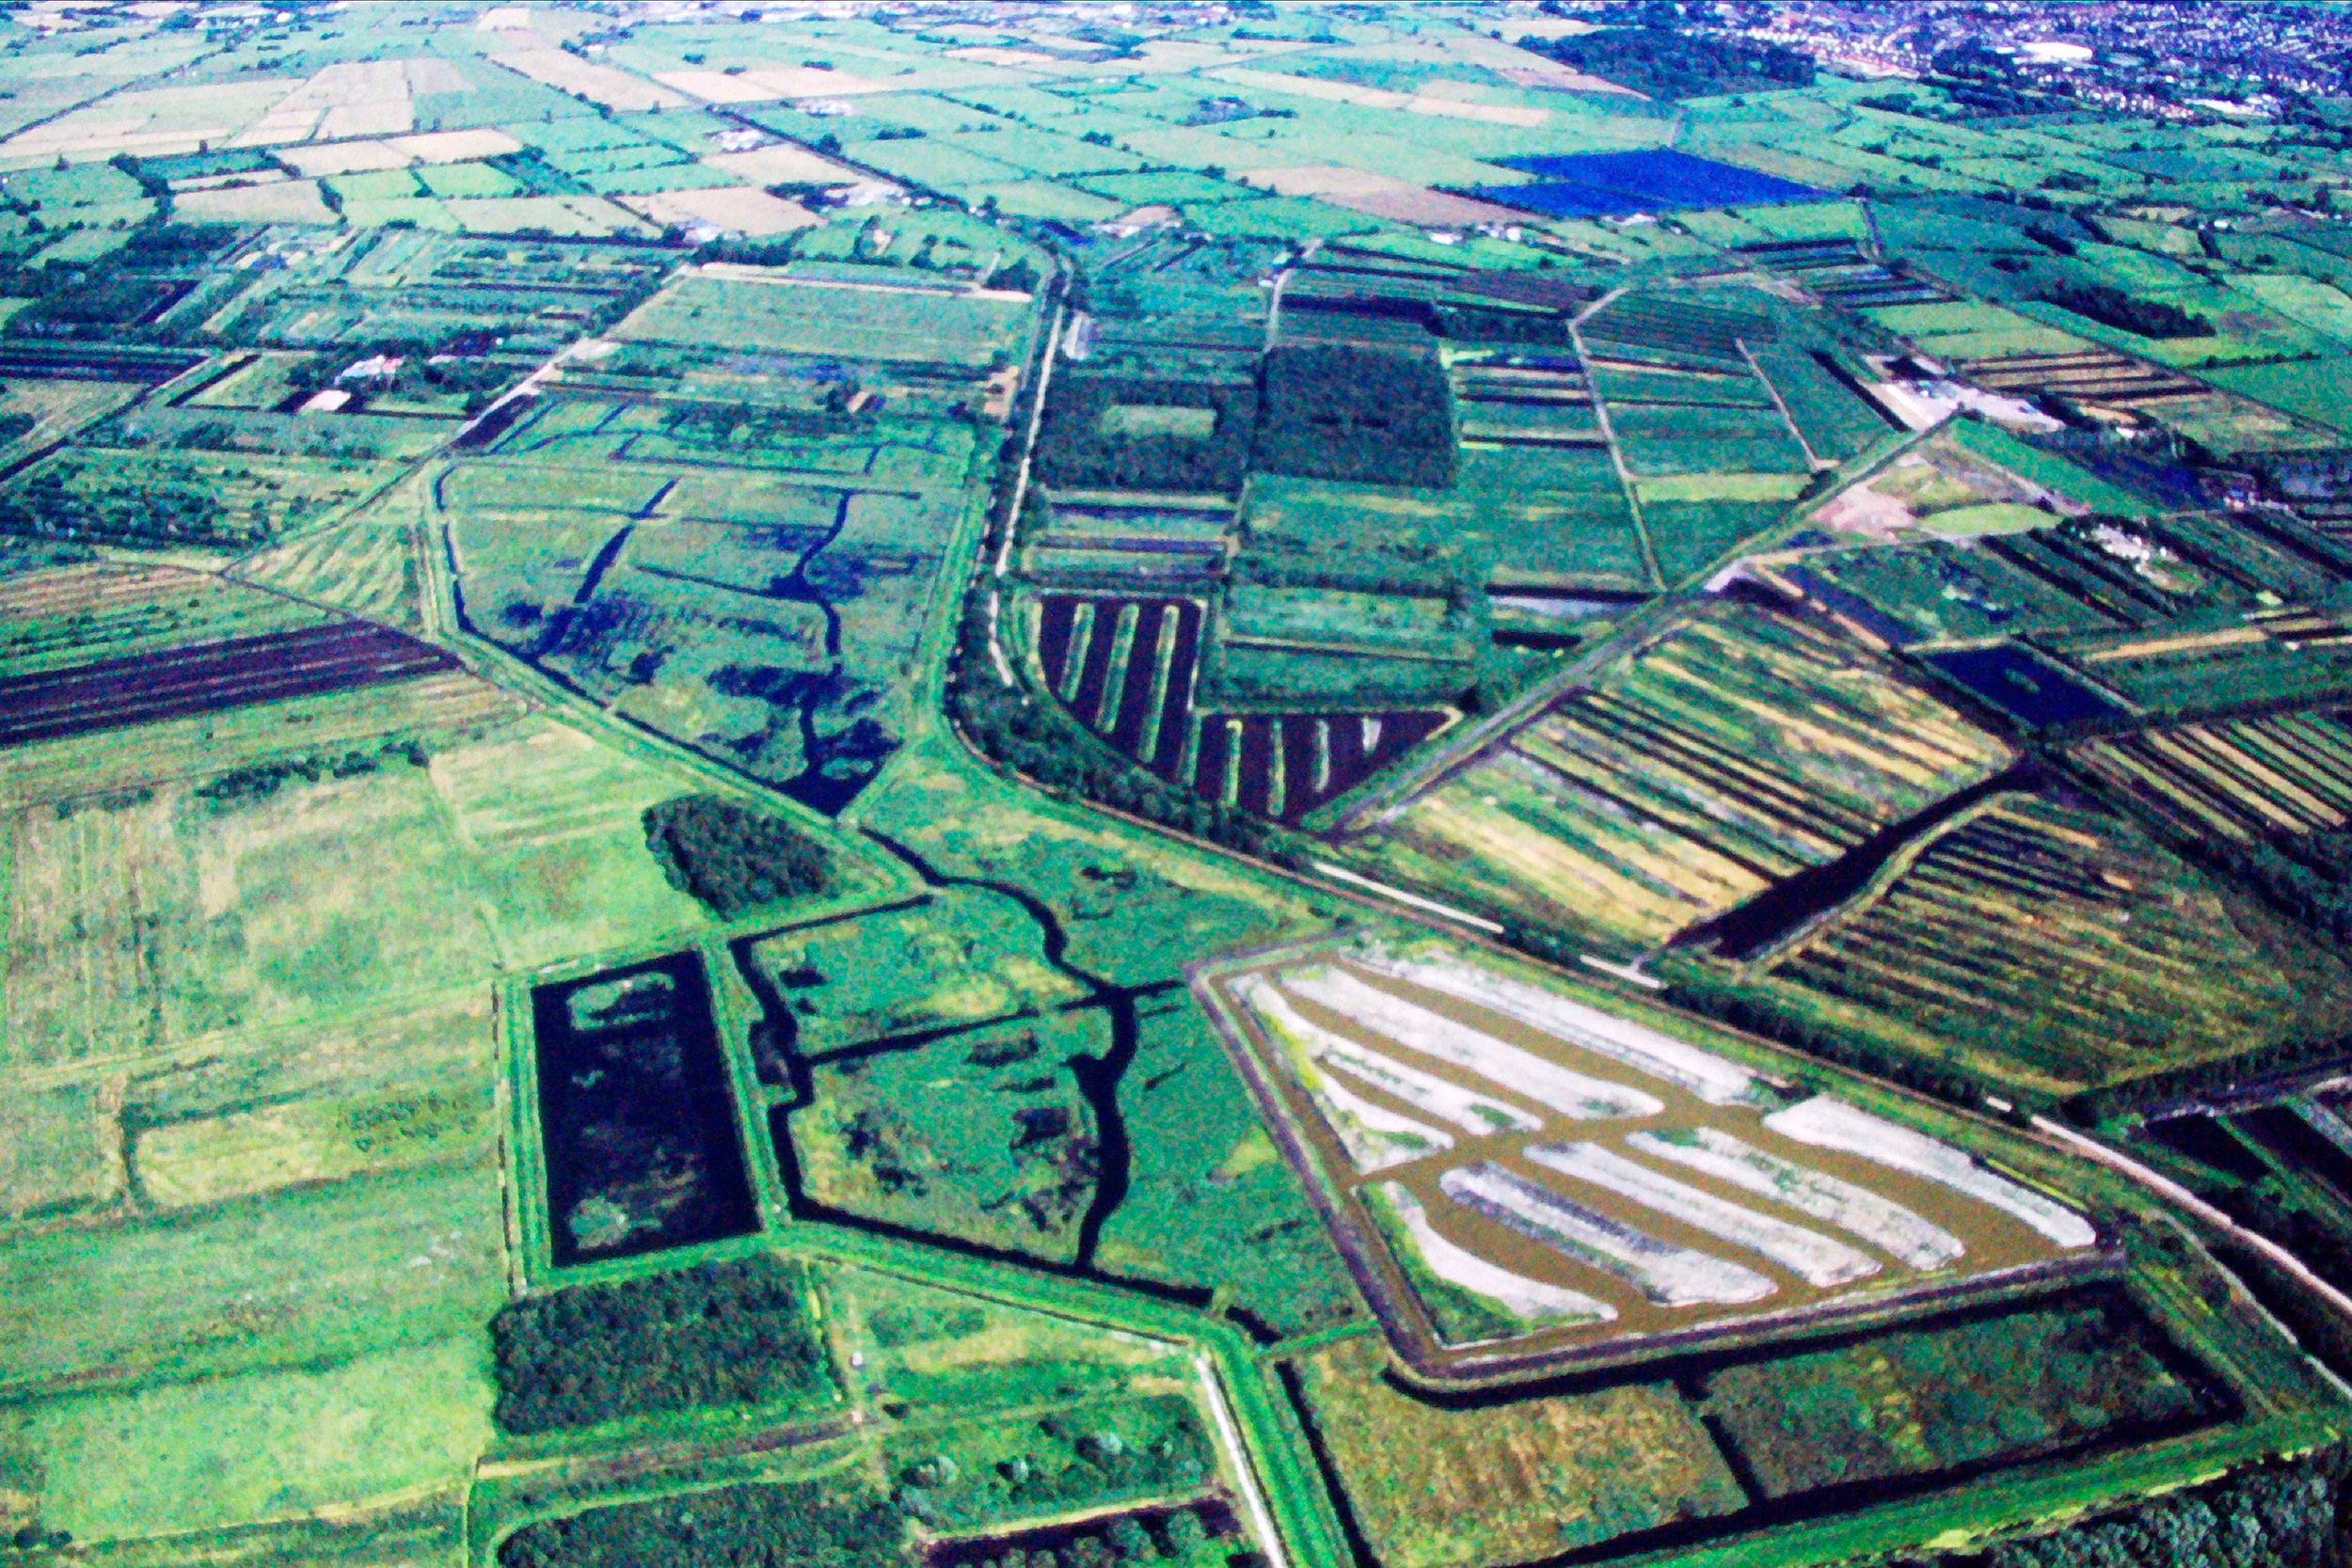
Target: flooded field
{"points": [[1514, 1173], [638, 1121]]}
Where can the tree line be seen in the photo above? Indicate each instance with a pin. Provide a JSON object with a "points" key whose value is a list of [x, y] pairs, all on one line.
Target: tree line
{"points": [[724, 1332], [806, 1525], [2111, 306], [2282, 1517], [1661, 58], [1180, 1538]]}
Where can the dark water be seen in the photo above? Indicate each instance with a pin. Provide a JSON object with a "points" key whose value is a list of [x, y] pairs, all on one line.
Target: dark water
{"points": [[1743, 932], [636, 1115], [1598, 184], [2296, 1143], [2024, 685], [2205, 1140]]}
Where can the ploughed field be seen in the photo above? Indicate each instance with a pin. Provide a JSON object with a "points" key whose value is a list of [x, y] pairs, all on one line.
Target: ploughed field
{"points": [[1520, 1172], [1728, 750], [2133, 963], [144, 689], [1128, 668]]}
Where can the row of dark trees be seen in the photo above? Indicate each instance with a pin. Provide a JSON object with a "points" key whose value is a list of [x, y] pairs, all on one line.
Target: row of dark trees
{"points": [[1180, 1538], [2105, 303], [731, 858], [2281, 1518], [719, 1334], [244, 785], [1544, 328], [1666, 60], [735, 1527]]}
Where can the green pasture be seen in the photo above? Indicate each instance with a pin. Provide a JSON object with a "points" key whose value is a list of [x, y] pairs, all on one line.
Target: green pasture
{"points": [[2309, 388], [236, 1451], [1043, 152], [1967, 330], [1044, 198], [390, 184], [2321, 307], [1277, 678], [301, 1277], [1324, 616], [790, 316], [1693, 534], [1175, 187], [1280, 217], [934, 161]]}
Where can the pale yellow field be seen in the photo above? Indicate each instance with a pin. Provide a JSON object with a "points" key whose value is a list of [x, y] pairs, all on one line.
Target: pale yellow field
{"points": [[426, 73], [455, 146], [351, 157], [614, 89], [153, 123], [742, 209], [358, 98], [330, 1137], [557, 215], [222, 1452], [278, 128], [1379, 194], [755, 87], [141, 926], [1380, 98], [779, 165], [1326, 179], [284, 202]]}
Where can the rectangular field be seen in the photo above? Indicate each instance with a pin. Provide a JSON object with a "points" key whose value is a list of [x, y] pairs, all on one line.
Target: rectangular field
{"points": [[143, 690], [759, 310]]}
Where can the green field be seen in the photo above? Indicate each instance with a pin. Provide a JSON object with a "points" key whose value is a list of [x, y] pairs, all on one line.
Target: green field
{"points": [[822, 504], [234, 1450]]}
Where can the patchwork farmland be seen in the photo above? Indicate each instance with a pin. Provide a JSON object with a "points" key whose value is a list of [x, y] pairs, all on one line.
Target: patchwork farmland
{"points": [[1655, 788], [1245, 786]]}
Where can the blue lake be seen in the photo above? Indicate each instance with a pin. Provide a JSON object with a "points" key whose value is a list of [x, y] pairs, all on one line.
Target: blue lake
{"points": [[1603, 184], [2013, 680]]}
